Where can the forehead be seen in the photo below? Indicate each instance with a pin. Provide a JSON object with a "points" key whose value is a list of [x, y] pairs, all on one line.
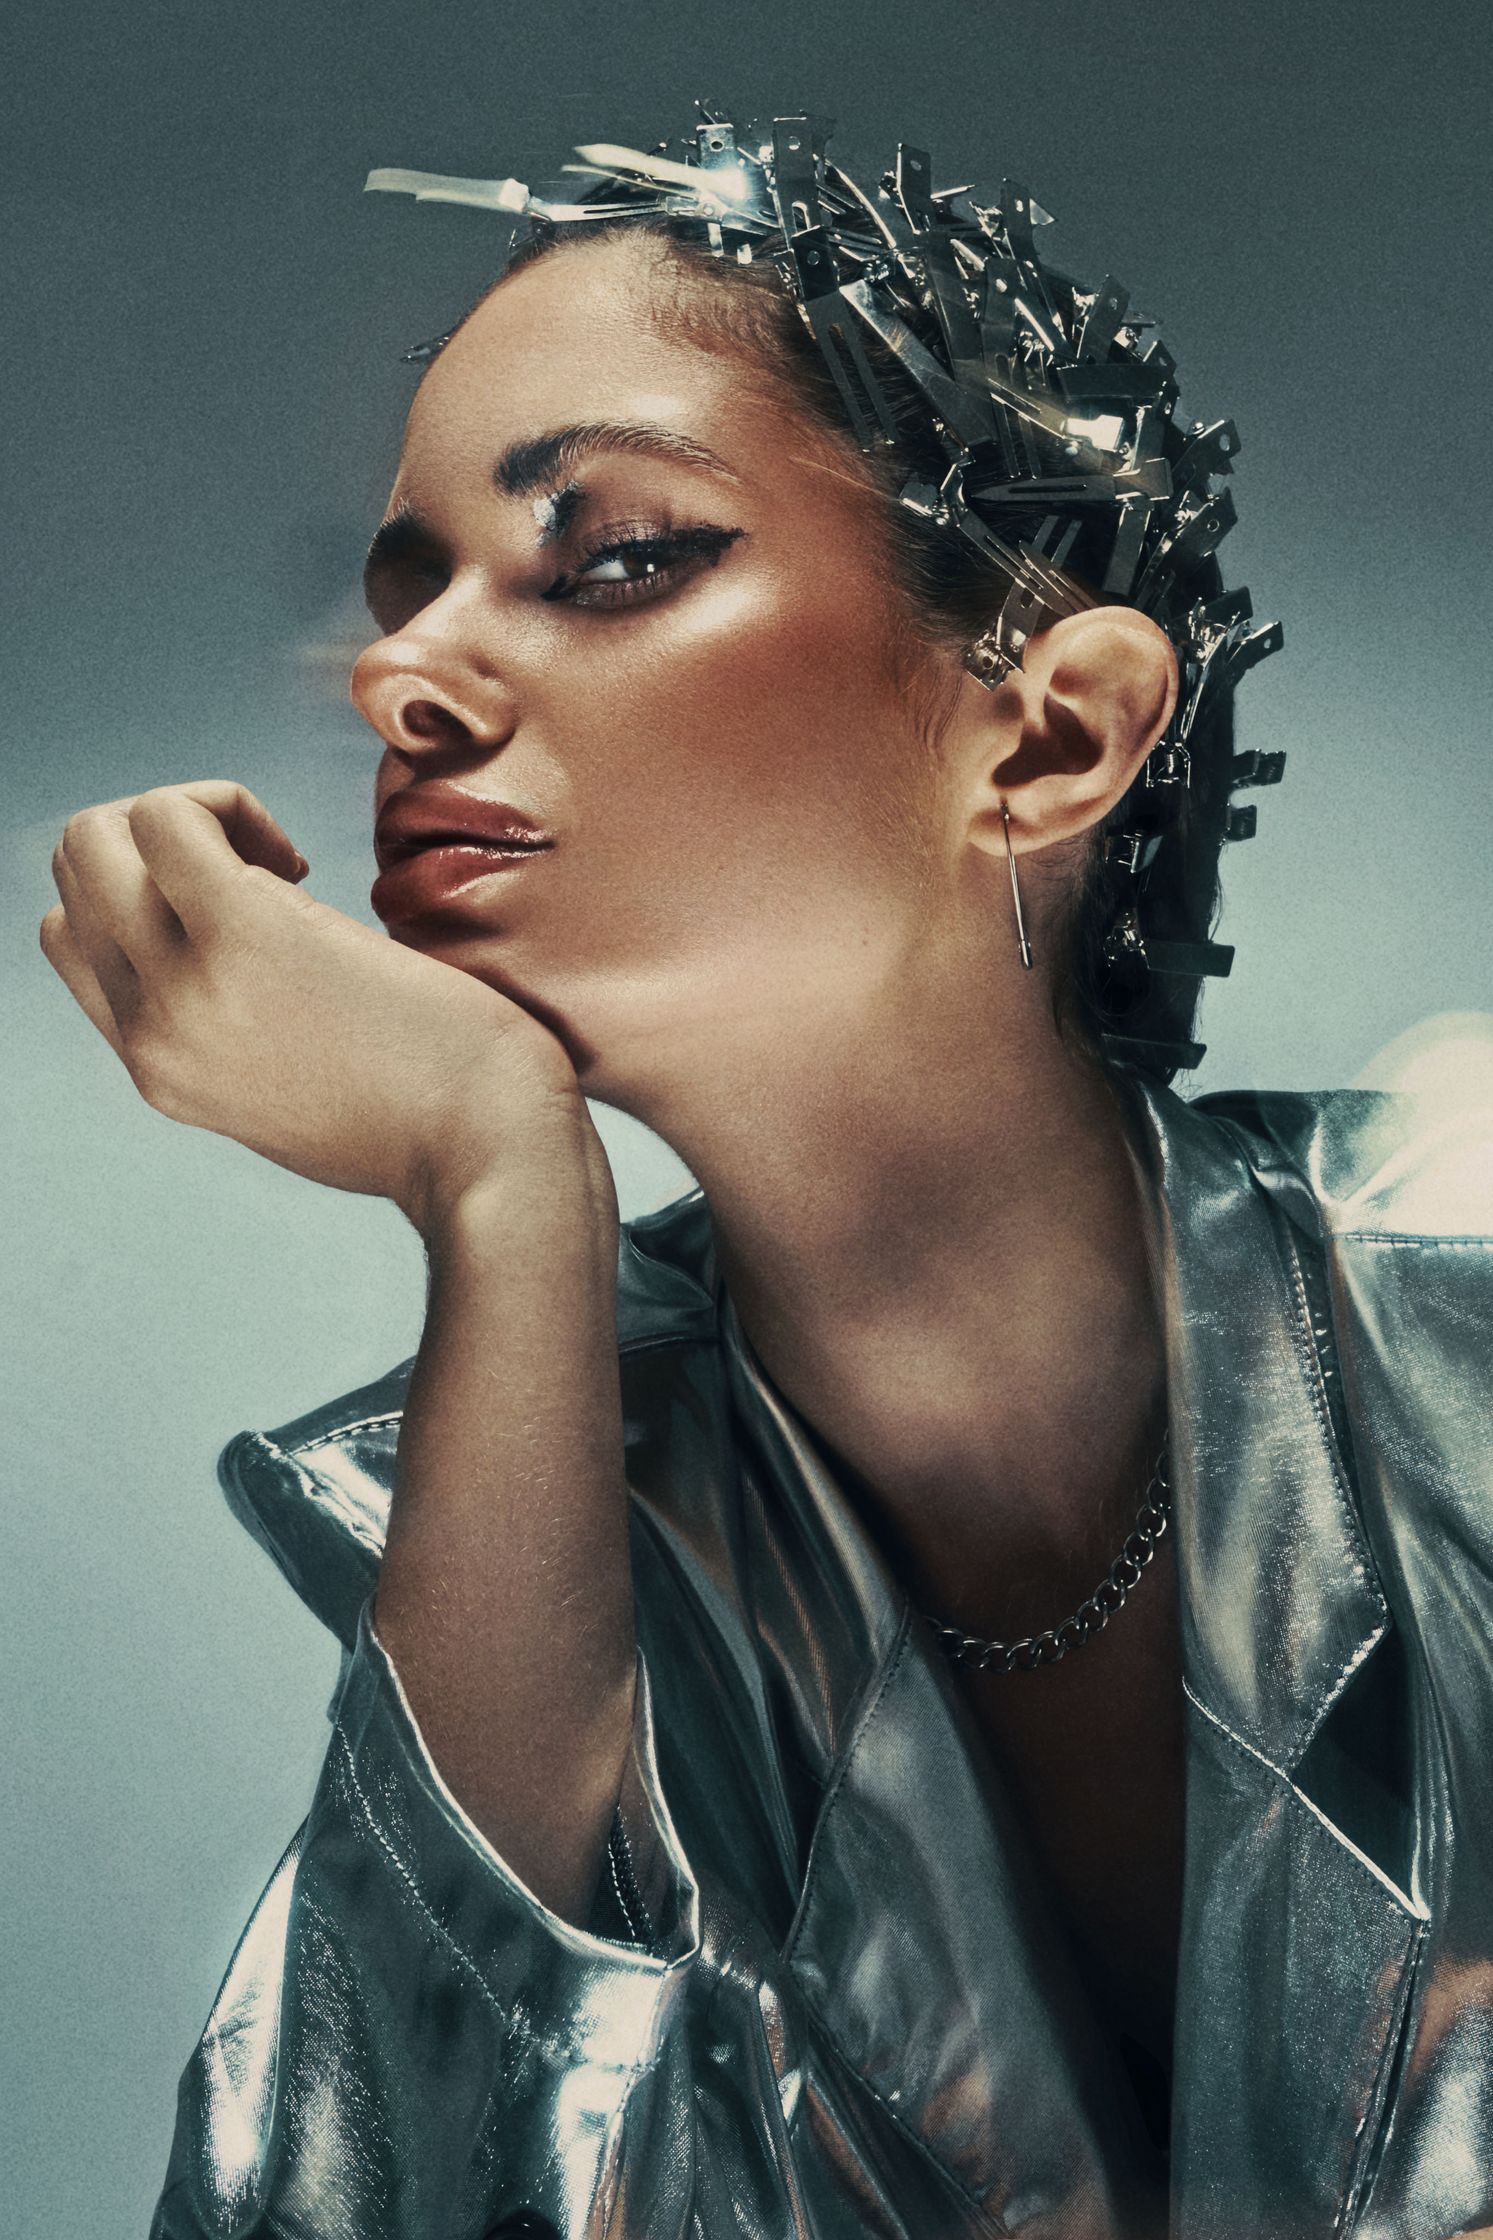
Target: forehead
{"points": [[580, 335]]}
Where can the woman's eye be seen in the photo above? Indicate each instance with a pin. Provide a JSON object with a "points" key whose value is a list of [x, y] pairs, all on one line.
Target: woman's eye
{"points": [[626, 569], [633, 564]]}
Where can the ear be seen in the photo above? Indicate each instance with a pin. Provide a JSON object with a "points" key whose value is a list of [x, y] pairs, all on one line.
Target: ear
{"points": [[1062, 739]]}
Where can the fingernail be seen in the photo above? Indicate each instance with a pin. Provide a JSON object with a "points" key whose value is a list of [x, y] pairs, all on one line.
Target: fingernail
{"points": [[304, 865]]}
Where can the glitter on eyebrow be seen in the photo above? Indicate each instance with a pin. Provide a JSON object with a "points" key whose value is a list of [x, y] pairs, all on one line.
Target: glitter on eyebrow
{"points": [[556, 509]]}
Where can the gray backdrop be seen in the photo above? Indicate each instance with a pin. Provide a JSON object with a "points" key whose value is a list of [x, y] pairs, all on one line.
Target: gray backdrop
{"points": [[203, 403]]}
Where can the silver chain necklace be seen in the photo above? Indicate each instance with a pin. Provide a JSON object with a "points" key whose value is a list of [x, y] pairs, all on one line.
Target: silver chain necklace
{"points": [[1092, 1615]]}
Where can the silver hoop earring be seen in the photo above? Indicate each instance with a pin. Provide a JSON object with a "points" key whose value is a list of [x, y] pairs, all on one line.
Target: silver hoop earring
{"points": [[1022, 942]]}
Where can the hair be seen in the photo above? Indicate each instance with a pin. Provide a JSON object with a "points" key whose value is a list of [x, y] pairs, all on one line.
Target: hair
{"points": [[951, 593]]}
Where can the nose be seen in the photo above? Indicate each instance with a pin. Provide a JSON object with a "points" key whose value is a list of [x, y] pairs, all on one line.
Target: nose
{"points": [[428, 688]]}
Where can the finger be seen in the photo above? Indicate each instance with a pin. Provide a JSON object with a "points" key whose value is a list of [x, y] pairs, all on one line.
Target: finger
{"points": [[121, 897], [253, 834], [91, 940], [196, 842], [59, 945]]}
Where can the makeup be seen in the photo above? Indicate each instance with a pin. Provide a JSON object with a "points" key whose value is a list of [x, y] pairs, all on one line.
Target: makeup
{"points": [[659, 558], [437, 880], [554, 512]]}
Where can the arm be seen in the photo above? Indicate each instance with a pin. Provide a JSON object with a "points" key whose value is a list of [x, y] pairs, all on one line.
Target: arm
{"points": [[239, 1003], [410, 2040], [505, 1597]]}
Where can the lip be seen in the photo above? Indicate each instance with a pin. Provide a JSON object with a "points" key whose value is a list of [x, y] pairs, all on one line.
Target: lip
{"points": [[435, 877], [437, 816]]}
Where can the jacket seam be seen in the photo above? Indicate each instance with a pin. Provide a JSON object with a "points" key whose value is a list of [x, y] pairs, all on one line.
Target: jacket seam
{"points": [[339, 1431], [1361, 2183], [573, 2051], [1306, 1349], [837, 1781], [1410, 1239], [619, 1857], [323, 1494], [1310, 1360], [1415, 1915], [1339, 1686]]}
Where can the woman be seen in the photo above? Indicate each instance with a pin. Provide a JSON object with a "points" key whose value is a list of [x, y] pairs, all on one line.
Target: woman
{"points": [[804, 683]]}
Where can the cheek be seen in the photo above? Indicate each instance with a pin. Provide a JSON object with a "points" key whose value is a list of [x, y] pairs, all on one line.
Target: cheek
{"points": [[764, 711], [753, 827]]}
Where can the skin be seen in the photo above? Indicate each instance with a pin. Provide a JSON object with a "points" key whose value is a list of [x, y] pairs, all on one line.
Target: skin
{"points": [[776, 926]]}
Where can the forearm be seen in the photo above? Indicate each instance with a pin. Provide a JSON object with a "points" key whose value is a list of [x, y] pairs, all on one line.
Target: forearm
{"points": [[505, 1597]]}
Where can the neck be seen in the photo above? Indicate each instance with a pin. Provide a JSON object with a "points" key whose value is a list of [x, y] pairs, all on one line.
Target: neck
{"points": [[932, 1238]]}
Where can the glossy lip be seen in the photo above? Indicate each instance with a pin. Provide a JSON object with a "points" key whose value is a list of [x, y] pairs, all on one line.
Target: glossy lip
{"points": [[427, 816], [432, 878]]}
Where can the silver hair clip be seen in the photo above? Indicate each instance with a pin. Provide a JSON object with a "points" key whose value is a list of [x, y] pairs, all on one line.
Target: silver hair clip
{"points": [[989, 659]]}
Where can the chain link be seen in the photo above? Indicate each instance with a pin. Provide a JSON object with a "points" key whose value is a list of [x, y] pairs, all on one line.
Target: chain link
{"points": [[1093, 1613]]}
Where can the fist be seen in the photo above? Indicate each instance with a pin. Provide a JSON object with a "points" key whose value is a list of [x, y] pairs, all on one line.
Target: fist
{"points": [[237, 1002]]}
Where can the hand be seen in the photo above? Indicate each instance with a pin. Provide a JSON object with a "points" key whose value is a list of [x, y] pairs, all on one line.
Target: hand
{"points": [[239, 1003]]}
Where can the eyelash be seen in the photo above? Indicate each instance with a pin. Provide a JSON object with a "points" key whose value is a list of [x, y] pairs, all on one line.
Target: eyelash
{"points": [[670, 550]]}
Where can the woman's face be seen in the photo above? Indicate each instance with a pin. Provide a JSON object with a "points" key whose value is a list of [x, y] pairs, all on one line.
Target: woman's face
{"points": [[625, 591]]}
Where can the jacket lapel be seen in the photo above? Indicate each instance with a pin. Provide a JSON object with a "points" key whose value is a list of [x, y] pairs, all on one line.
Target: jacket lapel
{"points": [[1297, 1945]]}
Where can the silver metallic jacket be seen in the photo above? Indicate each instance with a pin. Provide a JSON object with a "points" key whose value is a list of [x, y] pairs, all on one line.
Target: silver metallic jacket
{"points": [[820, 1999]]}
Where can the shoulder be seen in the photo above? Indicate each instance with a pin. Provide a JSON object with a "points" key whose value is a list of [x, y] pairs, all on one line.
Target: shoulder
{"points": [[315, 1491], [1367, 1213], [1394, 1186], [1410, 1162]]}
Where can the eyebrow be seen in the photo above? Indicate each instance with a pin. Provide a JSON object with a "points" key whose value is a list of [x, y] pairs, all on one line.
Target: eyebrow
{"points": [[535, 466]]}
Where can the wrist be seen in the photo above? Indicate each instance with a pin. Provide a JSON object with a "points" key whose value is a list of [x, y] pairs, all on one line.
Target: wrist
{"points": [[545, 1168]]}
